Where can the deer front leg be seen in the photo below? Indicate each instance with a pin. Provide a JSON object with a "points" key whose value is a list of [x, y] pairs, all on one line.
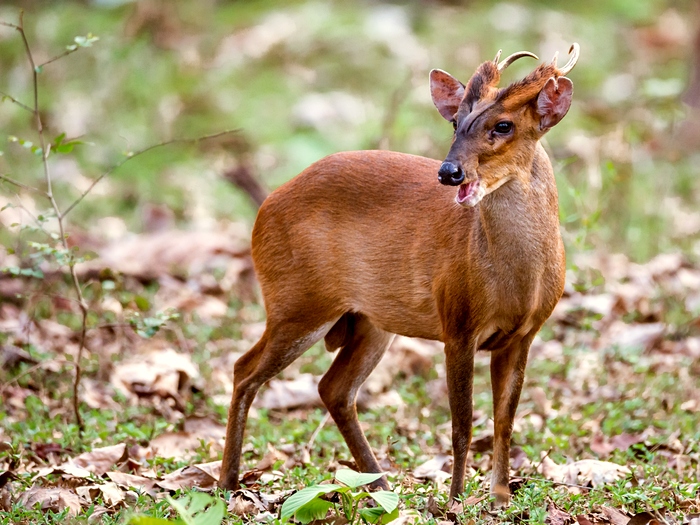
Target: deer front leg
{"points": [[507, 375], [459, 364]]}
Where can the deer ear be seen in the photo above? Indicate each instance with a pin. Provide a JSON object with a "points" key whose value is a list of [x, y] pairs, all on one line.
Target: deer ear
{"points": [[447, 93], [554, 101]]}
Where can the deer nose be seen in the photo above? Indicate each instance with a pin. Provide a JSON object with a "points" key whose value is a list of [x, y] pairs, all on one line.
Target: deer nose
{"points": [[450, 174]]}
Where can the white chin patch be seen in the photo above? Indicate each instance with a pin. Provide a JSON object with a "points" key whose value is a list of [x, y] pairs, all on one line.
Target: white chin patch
{"points": [[470, 194]]}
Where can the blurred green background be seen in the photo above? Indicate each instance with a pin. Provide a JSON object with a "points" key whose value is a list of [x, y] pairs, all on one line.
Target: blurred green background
{"points": [[303, 79]]}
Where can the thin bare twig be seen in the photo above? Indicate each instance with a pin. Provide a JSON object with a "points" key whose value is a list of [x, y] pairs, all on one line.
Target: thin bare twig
{"points": [[19, 184], [543, 458], [15, 101], [8, 24], [36, 220], [322, 424], [45, 150], [141, 152], [560, 483], [57, 57], [60, 216], [20, 376]]}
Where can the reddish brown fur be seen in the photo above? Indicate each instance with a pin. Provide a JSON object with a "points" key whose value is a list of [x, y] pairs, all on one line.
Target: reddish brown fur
{"points": [[363, 245], [518, 93]]}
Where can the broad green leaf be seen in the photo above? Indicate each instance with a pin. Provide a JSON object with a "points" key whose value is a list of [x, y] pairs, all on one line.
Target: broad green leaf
{"points": [[142, 303], [391, 516], [149, 520], [195, 502], [372, 514], [377, 515], [214, 515], [199, 508], [359, 495], [388, 500], [31, 272], [316, 509], [301, 498], [181, 508], [356, 479]]}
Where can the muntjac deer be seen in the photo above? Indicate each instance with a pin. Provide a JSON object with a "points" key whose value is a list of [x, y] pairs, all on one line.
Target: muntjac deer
{"points": [[367, 244]]}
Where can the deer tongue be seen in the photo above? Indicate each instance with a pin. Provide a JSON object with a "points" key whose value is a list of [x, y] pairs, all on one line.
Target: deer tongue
{"points": [[468, 193]]}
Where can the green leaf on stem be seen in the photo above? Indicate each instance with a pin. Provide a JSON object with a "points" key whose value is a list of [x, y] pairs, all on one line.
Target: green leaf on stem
{"points": [[297, 500], [375, 514], [84, 41], [388, 500], [356, 479], [316, 509]]}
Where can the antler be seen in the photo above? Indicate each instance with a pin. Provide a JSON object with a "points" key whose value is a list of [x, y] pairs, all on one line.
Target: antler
{"points": [[574, 52], [512, 58], [484, 81]]}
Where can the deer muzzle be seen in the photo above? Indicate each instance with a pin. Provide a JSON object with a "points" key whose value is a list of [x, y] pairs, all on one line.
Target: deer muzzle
{"points": [[450, 174]]}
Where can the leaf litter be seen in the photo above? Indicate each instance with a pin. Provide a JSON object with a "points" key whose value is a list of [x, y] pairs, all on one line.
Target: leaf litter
{"points": [[623, 322]]}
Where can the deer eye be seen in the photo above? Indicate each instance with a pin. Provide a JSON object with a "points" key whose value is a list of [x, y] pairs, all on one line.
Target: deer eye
{"points": [[454, 124], [503, 127]]}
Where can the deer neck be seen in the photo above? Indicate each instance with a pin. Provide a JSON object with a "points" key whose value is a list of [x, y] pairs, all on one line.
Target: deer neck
{"points": [[518, 222]]}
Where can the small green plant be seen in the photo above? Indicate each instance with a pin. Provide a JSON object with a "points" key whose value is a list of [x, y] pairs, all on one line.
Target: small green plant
{"points": [[147, 327], [308, 504], [196, 508]]}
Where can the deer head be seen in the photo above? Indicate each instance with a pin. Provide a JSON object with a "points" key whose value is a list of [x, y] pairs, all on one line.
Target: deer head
{"points": [[496, 130]]}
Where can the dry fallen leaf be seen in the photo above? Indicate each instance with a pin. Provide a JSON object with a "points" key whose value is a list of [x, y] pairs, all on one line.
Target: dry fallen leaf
{"points": [[67, 471], [637, 335], [644, 518], [53, 499], [102, 460], [98, 395], [161, 372], [206, 428], [96, 515], [294, 393], [603, 446], [212, 469], [556, 516], [172, 252], [615, 516], [178, 445], [273, 456], [188, 477], [582, 472], [129, 481], [111, 493], [435, 469], [244, 502]]}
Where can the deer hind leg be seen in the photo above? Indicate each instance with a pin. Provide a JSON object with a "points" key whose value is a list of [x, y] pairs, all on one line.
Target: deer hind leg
{"points": [[280, 345], [507, 376], [363, 349]]}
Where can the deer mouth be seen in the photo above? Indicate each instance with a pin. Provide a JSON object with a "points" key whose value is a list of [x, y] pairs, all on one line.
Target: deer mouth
{"points": [[470, 193]]}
